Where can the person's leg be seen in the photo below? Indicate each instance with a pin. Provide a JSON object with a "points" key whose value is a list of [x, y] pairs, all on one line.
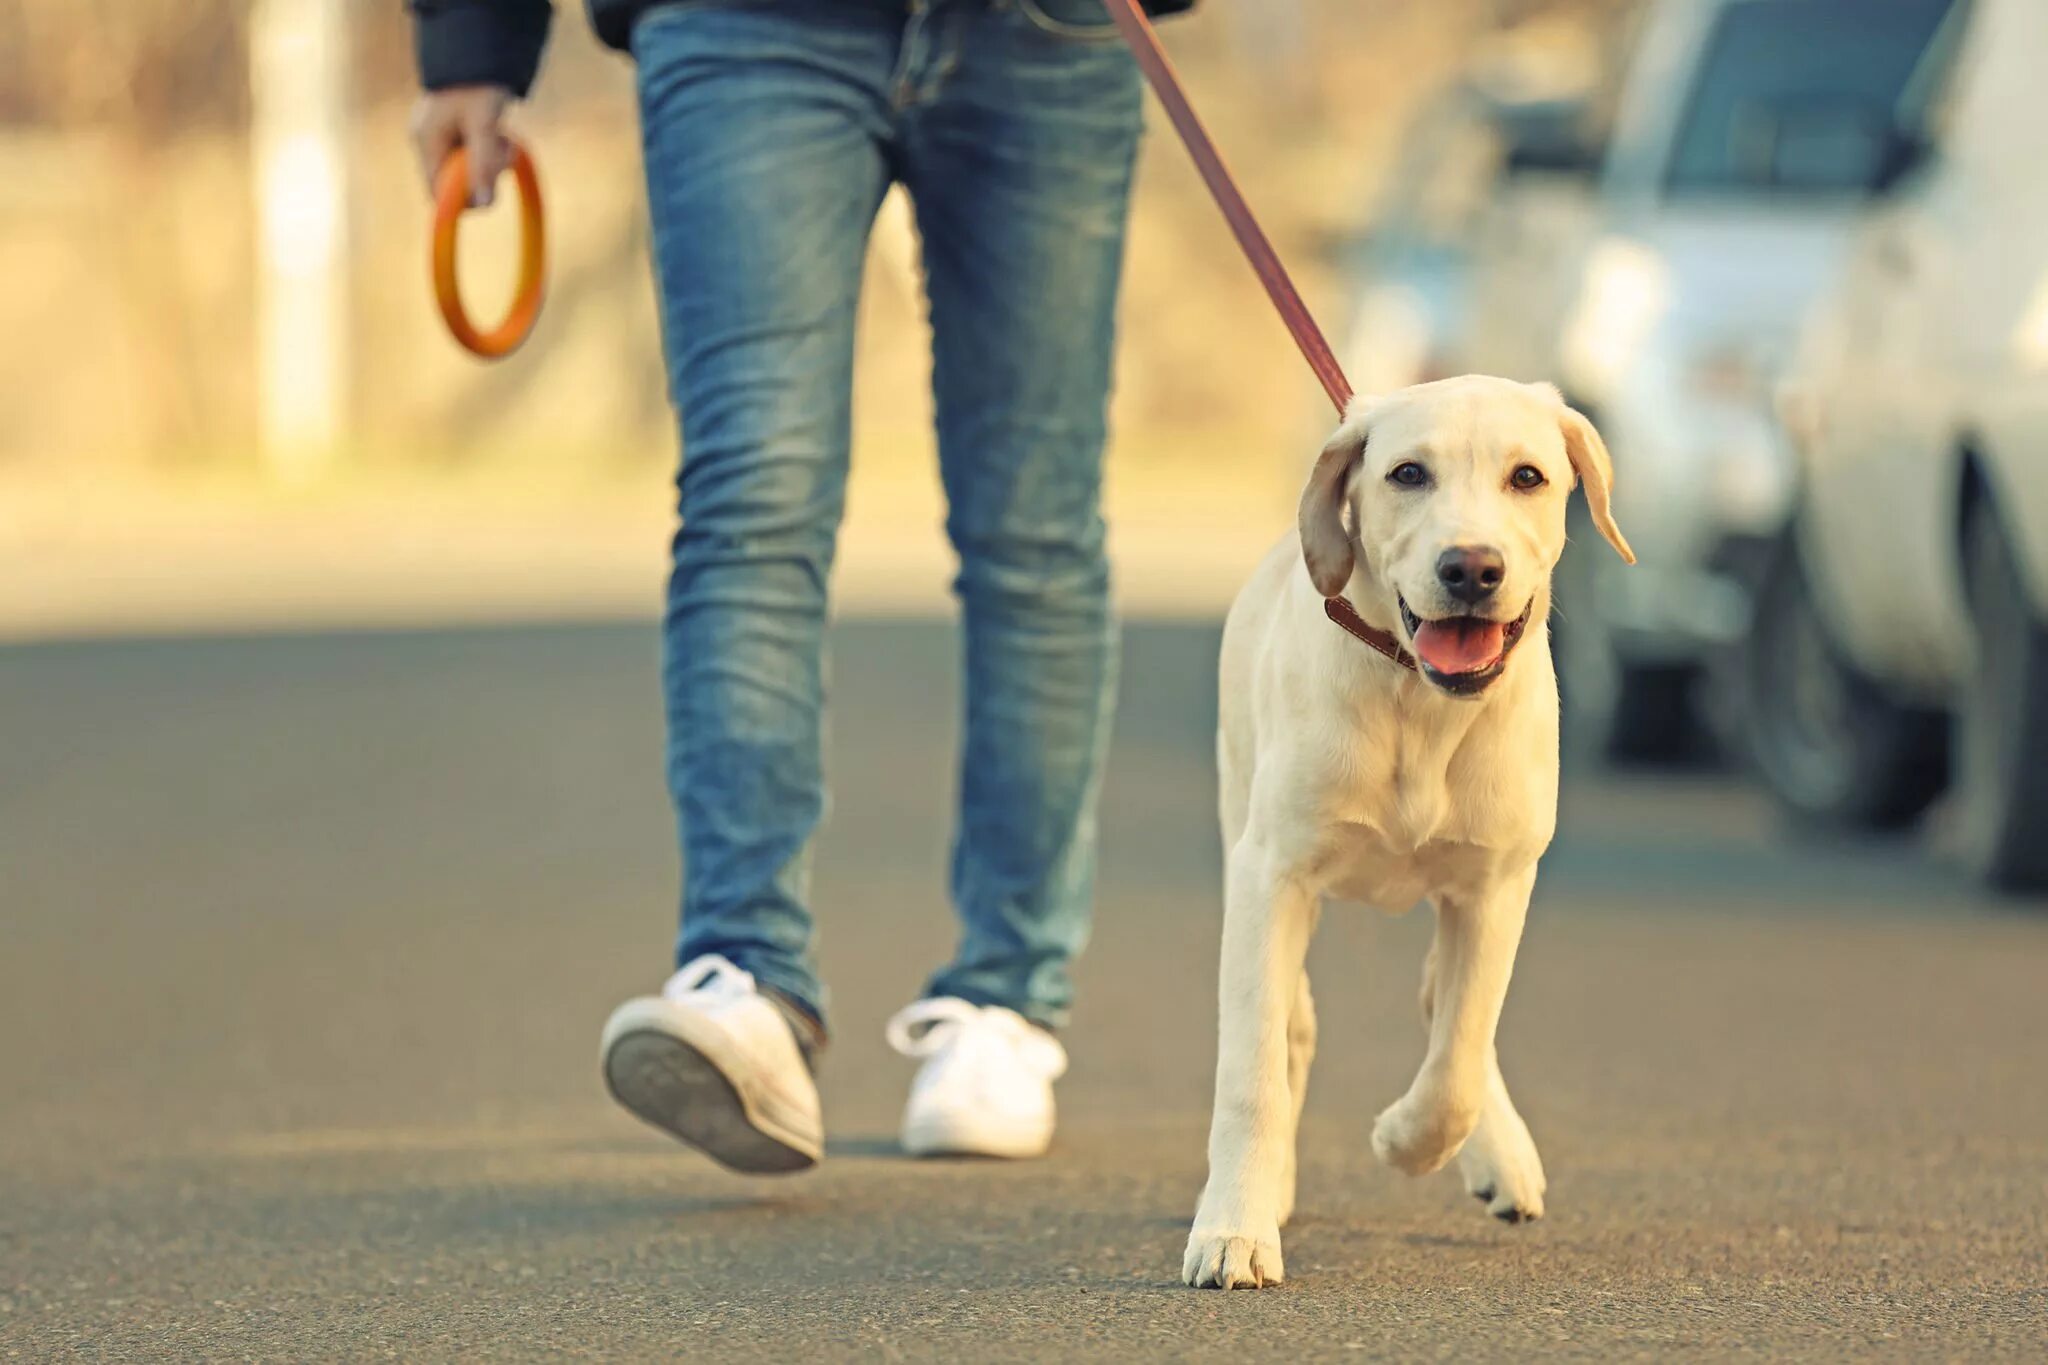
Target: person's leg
{"points": [[1019, 156], [763, 123]]}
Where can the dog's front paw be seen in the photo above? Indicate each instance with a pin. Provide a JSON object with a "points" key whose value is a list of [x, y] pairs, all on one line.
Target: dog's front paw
{"points": [[1502, 1170], [1419, 1133], [1222, 1260]]}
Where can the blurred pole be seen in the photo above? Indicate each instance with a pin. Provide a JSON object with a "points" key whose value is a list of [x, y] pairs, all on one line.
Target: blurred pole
{"points": [[297, 85]]}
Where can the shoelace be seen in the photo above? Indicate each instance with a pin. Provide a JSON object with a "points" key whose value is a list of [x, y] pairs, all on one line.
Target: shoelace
{"points": [[701, 972], [925, 1028]]}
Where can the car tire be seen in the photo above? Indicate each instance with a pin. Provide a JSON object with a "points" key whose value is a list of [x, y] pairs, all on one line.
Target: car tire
{"points": [[2002, 715], [1624, 715], [1656, 717], [1831, 748], [1615, 711]]}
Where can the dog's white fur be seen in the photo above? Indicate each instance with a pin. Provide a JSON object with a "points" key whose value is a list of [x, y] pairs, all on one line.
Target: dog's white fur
{"points": [[1343, 774]]}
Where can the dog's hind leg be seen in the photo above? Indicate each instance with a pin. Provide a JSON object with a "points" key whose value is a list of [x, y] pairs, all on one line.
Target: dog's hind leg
{"points": [[1301, 1054], [1470, 963], [1499, 1161]]}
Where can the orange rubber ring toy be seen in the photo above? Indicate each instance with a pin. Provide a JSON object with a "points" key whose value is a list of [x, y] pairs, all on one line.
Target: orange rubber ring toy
{"points": [[451, 198]]}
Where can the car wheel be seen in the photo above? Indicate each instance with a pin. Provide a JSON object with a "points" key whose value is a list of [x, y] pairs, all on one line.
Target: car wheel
{"points": [[1615, 711], [1828, 744], [1622, 714], [2002, 716]]}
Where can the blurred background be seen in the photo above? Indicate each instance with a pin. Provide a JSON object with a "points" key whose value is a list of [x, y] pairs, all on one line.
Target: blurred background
{"points": [[217, 204], [1781, 252], [331, 809]]}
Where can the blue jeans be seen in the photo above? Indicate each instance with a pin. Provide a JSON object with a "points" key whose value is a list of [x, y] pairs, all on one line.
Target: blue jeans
{"points": [[772, 129]]}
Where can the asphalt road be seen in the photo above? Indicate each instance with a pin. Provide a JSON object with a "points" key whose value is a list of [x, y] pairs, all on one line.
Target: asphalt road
{"points": [[307, 943]]}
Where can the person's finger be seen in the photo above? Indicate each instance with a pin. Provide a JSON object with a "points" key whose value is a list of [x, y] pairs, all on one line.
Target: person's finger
{"points": [[434, 136], [488, 154]]}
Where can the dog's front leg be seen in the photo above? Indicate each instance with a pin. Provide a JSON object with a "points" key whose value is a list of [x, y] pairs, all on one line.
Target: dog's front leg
{"points": [[1499, 1161], [1476, 940], [1267, 915]]}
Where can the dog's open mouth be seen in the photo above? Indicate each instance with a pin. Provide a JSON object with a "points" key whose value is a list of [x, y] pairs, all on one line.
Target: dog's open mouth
{"points": [[1463, 653]]}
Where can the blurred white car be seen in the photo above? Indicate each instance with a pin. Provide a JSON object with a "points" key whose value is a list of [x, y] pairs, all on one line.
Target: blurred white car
{"points": [[1748, 135], [1913, 584], [1487, 167], [1411, 269]]}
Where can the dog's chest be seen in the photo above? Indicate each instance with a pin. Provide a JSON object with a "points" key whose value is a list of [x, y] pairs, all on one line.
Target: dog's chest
{"points": [[1411, 821], [1392, 871]]}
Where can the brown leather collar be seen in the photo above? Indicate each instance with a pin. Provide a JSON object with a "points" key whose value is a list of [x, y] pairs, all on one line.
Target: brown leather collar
{"points": [[1340, 610]]}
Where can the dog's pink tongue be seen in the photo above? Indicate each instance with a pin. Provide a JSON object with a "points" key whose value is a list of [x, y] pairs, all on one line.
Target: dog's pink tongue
{"points": [[1459, 646]]}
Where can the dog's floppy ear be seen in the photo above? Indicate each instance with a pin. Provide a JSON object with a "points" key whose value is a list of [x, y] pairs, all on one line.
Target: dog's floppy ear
{"points": [[1325, 543], [1595, 468]]}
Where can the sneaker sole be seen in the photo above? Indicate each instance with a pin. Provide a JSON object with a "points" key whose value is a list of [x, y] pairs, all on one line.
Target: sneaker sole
{"points": [[667, 1082]]}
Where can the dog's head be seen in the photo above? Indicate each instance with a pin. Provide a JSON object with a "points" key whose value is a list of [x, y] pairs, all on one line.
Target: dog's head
{"points": [[1454, 492]]}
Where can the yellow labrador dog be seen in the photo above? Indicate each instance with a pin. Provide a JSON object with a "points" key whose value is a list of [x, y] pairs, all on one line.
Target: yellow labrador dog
{"points": [[1388, 734]]}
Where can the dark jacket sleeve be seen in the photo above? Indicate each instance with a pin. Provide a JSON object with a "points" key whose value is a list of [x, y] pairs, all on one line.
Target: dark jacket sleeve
{"points": [[480, 42]]}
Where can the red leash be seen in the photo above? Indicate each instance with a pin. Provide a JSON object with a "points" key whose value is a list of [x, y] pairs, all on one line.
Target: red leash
{"points": [[1244, 225]]}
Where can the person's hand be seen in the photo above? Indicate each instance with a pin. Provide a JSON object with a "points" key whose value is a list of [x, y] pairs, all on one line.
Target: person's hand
{"points": [[469, 116]]}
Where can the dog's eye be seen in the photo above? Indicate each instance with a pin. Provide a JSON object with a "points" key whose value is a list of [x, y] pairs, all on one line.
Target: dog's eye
{"points": [[1408, 474], [1526, 477]]}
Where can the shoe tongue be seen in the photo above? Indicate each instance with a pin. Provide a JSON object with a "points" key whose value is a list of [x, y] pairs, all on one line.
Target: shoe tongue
{"points": [[1459, 644]]}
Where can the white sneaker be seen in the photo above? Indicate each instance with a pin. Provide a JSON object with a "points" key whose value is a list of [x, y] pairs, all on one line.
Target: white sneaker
{"points": [[985, 1088], [714, 1062]]}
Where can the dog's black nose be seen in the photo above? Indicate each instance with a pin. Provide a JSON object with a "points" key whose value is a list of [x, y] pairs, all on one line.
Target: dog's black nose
{"points": [[1470, 573]]}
